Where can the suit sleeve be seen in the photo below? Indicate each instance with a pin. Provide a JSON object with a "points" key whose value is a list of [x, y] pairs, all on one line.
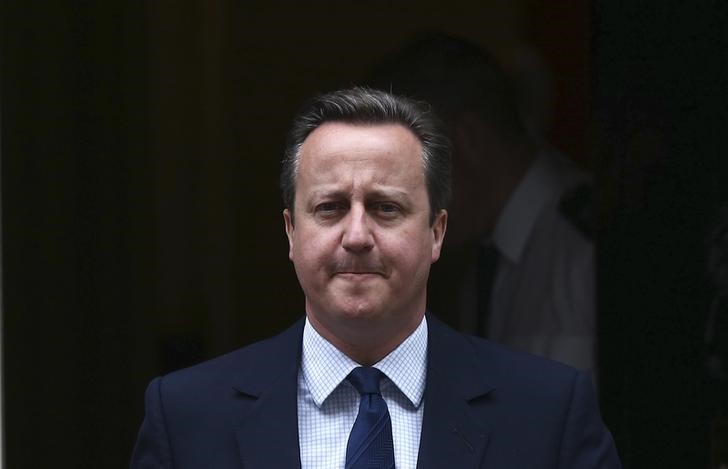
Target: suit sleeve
{"points": [[586, 443], [152, 449]]}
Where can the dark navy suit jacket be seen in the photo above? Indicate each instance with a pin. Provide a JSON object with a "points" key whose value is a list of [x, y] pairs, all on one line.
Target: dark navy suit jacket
{"points": [[485, 407]]}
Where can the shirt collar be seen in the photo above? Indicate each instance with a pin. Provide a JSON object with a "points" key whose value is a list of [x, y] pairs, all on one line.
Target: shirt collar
{"points": [[538, 187], [324, 366]]}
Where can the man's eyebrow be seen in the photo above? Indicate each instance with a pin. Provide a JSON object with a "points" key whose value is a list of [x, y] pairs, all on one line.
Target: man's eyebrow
{"points": [[380, 192], [388, 192], [328, 193]]}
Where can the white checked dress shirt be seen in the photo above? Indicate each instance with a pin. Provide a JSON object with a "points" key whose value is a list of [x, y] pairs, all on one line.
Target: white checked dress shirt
{"points": [[328, 404]]}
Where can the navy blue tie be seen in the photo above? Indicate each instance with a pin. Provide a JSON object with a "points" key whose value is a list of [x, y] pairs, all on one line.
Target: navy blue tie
{"points": [[370, 442]]}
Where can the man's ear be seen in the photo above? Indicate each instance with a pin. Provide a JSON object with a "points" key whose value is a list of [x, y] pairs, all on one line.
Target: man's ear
{"points": [[439, 226], [288, 218]]}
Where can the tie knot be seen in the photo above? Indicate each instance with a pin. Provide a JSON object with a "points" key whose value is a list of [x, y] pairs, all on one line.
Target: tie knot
{"points": [[365, 379]]}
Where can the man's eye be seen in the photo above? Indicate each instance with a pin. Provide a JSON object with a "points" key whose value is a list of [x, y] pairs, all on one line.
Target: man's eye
{"points": [[329, 207], [388, 208]]}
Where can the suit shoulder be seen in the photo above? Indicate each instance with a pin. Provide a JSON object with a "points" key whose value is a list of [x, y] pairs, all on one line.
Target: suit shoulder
{"points": [[496, 365], [523, 371], [259, 360]]}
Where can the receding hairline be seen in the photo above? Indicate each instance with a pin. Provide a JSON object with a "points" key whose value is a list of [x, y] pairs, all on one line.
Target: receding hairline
{"points": [[361, 106], [346, 123]]}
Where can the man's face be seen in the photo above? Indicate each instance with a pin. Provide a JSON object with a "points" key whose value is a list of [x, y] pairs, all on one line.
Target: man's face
{"points": [[362, 243]]}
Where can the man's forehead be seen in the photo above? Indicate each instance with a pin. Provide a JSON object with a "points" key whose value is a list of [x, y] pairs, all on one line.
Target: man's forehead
{"points": [[363, 160], [384, 149]]}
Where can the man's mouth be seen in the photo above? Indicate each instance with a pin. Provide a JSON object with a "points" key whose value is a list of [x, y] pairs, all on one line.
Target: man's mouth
{"points": [[349, 273], [358, 269]]}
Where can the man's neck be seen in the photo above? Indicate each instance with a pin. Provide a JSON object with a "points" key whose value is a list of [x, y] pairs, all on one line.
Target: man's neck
{"points": [[364, 342]]}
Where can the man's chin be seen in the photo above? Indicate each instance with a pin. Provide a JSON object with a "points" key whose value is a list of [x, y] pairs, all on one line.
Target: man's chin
{"points": [[358, 309], [363, 311]]}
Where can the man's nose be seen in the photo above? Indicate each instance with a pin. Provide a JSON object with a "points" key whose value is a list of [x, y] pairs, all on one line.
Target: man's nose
{"points": [[357, 236]]}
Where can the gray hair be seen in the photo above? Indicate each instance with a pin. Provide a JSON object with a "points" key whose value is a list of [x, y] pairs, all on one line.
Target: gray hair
{"points": [[370, 106]]}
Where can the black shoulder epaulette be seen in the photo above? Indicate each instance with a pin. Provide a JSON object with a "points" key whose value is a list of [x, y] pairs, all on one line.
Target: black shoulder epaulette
{"points": [[577, 205]]}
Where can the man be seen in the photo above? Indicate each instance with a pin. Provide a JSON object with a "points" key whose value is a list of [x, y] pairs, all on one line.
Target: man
{"points": [[367, 378], [519, 267]]}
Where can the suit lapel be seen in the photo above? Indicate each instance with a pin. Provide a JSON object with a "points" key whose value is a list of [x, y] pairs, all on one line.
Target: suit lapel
{"points": [[452, 433], [268, 435]]}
